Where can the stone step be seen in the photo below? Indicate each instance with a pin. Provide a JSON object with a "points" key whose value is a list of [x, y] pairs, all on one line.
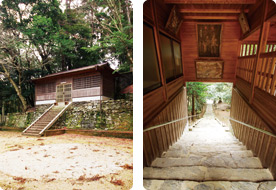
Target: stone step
{"points": [[34, 129], [203, 148], [201, 173], [196, 143], [202, 144], [208, 141], [202, 129], [218, 161], [237, 153], [201, 137], [31, 134], [208, 185]]}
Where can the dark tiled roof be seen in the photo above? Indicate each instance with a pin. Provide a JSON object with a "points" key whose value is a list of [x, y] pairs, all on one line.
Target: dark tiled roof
{"points": [[73, 71]]}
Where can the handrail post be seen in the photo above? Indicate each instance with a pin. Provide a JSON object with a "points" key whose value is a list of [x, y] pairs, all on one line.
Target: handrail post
{"points": [[264, 32]]}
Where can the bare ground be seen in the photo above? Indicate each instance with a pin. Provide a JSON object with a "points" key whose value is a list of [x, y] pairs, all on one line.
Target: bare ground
{"points": [[64, 162], [222, 112]]}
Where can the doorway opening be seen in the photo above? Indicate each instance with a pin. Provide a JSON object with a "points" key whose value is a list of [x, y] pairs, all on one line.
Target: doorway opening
{"points": [[64, 92], [200, 94]]}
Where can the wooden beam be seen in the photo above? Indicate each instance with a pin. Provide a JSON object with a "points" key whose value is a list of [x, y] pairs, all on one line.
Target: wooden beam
{"points": [[210, 1], [264, 32], [249, 33], [228, 11], [210, 17]]}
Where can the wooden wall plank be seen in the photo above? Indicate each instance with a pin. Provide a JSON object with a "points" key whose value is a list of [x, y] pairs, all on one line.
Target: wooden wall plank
{"points": [[261, 144], [158, 140], [230, 36]]}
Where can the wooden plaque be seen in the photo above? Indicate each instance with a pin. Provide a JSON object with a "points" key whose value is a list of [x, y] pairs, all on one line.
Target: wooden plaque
{"points": [[209, 39], [174, 22], [244, 23], [209, 69]]}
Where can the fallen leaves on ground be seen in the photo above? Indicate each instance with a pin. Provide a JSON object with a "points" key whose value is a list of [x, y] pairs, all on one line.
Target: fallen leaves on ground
{"points": [[126, 166], [19, 179], [52, 179], [94, 178], [75, 148], [15, 149], [116, 181]]}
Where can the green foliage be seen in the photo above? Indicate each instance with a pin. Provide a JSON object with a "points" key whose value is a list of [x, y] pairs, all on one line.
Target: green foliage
{"points": [[115, 24], [220, 91], [199, 91]]}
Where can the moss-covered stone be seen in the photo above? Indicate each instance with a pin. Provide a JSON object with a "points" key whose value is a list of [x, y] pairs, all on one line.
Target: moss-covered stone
{"points": [[104, 115], [22, 120]]}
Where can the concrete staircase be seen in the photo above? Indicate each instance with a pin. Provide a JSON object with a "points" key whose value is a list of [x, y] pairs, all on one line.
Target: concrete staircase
{"points": [[46, 120], [208, 157]]}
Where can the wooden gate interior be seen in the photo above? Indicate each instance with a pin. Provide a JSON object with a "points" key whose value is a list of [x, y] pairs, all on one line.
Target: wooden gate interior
{"points": [[211, 41]]}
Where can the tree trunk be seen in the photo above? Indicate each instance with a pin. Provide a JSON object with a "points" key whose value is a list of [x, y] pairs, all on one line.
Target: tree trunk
{"points": [[68, 4], [17, 89], [193, 106], [48, 68], [63, 63], [3, 112], [18, 92], [127, 12]]}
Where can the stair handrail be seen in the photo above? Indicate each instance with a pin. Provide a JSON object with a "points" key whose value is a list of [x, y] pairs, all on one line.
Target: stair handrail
{"points": [[252, 127], [170, 122], [54, 120], [38, 118]]}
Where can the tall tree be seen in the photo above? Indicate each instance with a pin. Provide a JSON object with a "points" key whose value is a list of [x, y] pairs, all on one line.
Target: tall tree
{"points": [[113, 28], [38, 38], [197, 93], [14, 63]]}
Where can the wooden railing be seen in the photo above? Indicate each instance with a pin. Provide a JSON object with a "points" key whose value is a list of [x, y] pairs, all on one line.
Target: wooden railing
{"points": [[55, 119], [266, 71], [245, 67], [38, 118], [266, 75], [250, 48]]}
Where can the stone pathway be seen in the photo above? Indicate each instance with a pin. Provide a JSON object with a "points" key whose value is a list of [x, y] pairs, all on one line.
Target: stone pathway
{"points": [[208, 157]]}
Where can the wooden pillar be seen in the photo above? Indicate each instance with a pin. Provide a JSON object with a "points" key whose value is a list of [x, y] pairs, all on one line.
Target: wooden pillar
{"points": [[237, 62], [264, 32], [158, 50]]}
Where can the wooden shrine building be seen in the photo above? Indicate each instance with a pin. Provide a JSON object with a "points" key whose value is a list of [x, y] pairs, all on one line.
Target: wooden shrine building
{"points": [[94, 82], [210, 41]]}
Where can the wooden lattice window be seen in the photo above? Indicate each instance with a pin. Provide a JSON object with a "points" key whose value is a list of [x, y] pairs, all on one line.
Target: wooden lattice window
{"points": [[87, 82], [47, 88]]}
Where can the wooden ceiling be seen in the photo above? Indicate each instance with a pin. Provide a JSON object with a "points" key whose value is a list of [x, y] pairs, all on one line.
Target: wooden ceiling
{"points": [[211, 9]]}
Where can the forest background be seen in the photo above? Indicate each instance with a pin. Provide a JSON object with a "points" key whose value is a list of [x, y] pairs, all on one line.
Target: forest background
{"points": [[40, 37]]}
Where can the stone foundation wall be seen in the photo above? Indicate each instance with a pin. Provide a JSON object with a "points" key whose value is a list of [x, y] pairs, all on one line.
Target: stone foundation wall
{"points": [[23, 120], [105, 115]]}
